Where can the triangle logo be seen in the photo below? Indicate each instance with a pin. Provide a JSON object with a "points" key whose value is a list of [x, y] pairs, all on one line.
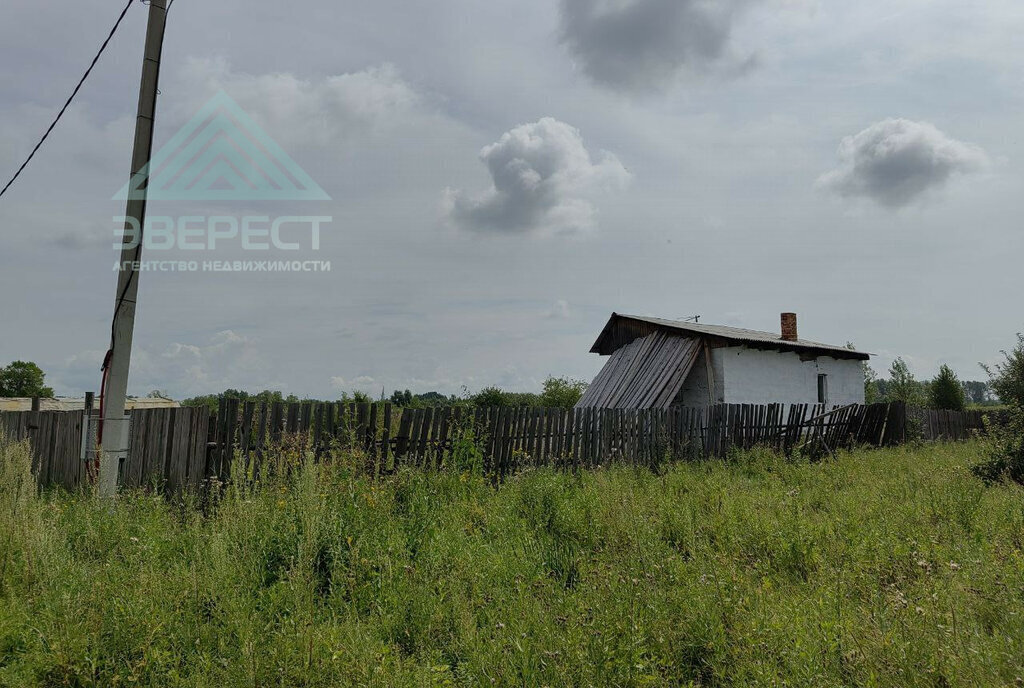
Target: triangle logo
{"points": [[221, 154]]}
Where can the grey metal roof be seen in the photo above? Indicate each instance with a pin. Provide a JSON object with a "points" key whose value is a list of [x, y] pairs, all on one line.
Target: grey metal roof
{"points": [[737, 334]]}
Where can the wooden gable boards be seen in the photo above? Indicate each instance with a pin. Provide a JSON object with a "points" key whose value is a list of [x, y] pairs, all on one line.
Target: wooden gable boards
{"points": [[646, 373]]}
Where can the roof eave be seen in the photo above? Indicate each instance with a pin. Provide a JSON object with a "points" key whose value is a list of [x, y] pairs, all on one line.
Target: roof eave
{"points": [[596, 348]]}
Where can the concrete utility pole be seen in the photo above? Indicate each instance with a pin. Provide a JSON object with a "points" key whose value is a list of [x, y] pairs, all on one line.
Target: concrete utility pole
{"points": [[115, 427]]}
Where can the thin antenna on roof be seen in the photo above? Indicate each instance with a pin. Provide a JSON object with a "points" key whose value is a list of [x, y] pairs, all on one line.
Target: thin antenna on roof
{"points": [[694, 318]]}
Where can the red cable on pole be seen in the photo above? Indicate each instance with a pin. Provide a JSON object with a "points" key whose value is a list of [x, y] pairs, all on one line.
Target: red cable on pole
{"points": [[93, 467]]}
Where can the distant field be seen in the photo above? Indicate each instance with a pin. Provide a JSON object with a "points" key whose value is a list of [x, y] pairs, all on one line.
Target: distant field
{"points": [[988, 408], [882, 568]]}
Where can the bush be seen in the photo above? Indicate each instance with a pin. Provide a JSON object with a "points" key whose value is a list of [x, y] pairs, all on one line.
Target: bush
{"points": [[1004, 450], [495, 396], [1007, 378], [562, 392]]}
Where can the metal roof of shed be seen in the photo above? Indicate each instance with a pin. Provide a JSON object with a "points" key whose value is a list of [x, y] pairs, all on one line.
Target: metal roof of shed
{"points": [[622, 329]]}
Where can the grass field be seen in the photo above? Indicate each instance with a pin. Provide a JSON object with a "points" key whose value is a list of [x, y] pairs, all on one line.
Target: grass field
{"points": [[882, 568]]}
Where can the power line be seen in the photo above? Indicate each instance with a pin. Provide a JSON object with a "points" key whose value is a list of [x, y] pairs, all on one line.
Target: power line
{"points": [[70, 98]]}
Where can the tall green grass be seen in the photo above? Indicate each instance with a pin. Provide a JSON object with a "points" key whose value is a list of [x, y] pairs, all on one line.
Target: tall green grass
{"points": [[882, 568]]}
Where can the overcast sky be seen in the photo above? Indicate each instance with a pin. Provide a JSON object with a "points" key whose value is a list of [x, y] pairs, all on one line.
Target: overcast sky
{"points": [[504, 175]]}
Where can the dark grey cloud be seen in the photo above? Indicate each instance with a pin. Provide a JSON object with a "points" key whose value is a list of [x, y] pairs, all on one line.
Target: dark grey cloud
{"points": [[641, 45], [543, 178], [896, 161]]}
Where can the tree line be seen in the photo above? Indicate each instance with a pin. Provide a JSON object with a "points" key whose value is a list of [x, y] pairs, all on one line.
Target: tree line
{"points": [[944, 391], [556, 392]]}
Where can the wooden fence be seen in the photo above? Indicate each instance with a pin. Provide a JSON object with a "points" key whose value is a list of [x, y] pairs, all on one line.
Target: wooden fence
{"points": [[166, 447], [510, 439], [56, 438], [179, 449], [934, 425]]}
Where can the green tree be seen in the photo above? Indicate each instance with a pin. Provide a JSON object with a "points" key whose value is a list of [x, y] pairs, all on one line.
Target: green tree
{"points": [[522, 399], [401, 398], [358, 397], [881, 389], [946, 392], [903, 386], [977, 392], [489, 396], [1006, 378], [562, 392], [23, 379], [495, 396], [436, 399], [872, 394], [211, 401]]}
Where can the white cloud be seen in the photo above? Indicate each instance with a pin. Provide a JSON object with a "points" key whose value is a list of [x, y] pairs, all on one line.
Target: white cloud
{"points": [[641, 45], [897, 161], [311, 111], [192, 369], [559, 310], [543, 180], [225, 360], [362, 383]]}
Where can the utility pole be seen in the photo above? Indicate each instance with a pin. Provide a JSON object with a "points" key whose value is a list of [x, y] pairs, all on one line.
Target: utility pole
{"points": [[118, 361]]}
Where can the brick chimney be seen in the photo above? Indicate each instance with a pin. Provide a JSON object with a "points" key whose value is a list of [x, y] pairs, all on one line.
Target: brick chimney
{"points": [[789, 327]]}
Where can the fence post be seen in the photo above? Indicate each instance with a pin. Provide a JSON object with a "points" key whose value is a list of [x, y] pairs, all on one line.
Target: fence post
{"points": [[33, 436], [86, 425]]}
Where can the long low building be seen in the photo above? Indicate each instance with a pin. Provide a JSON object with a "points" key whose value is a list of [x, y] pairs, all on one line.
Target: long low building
{"points": [[657, 363], [77, 404]]}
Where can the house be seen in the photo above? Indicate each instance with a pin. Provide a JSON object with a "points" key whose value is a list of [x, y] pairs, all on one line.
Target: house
{"points": [[656, 363]]}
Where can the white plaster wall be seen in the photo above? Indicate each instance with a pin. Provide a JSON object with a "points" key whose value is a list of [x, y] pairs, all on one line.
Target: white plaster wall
{"points": [[756, 376], [695, 389]]}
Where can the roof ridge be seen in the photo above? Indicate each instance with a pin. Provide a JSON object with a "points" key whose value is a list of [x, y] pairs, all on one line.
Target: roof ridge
{"points": [[754, 336]]}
